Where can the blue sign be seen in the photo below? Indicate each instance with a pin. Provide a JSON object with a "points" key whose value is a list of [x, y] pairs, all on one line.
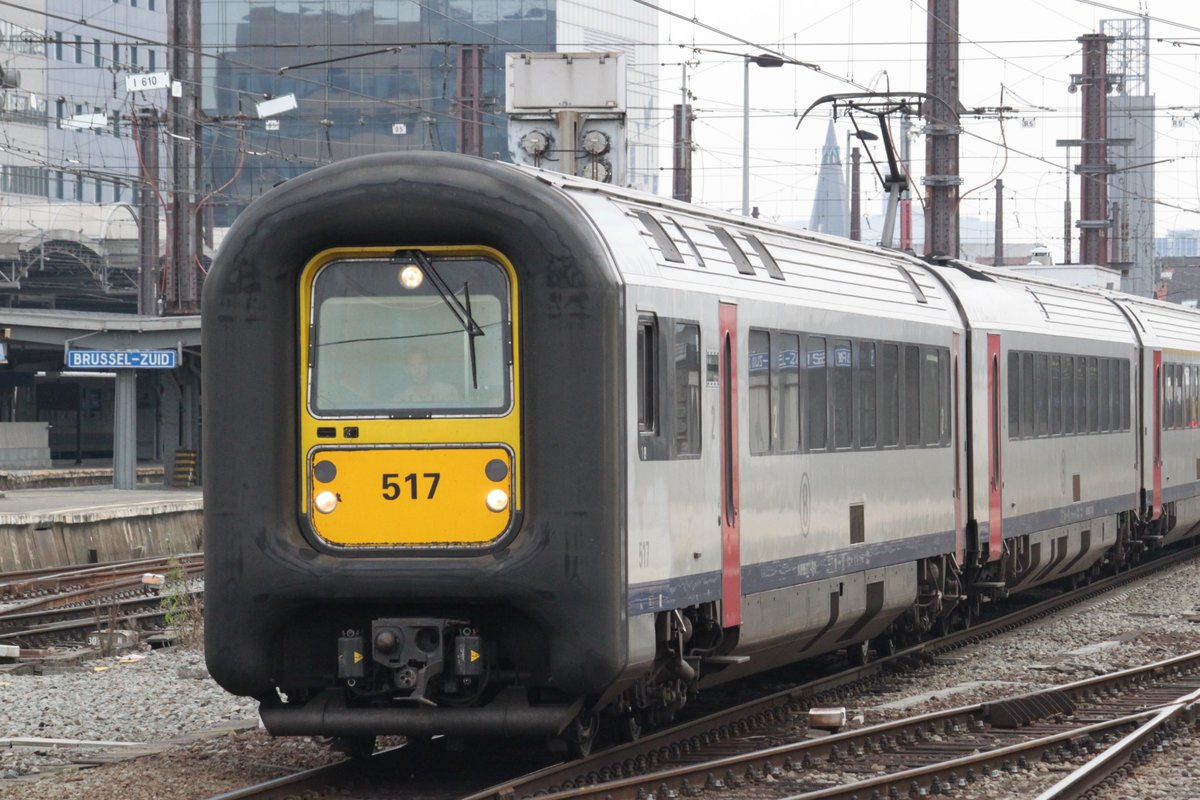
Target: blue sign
{"points": [[121, 359]]}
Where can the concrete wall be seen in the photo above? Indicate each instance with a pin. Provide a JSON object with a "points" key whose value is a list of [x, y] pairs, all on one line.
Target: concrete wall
{"points": [[74, 539], [24, 445]]}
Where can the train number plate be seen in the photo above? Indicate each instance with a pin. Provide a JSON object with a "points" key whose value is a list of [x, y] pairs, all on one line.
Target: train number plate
{"points": [[411, 497]]}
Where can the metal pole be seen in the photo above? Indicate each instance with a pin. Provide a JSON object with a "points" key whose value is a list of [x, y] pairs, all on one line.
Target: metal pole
{"points": [[125, 430], [1067, 214], [146, 122], [942, 178], [568, 137], [998, 243], [746, 137], [855, 199]]}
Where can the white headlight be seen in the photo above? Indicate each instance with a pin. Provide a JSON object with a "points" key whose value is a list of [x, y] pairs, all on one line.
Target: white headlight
{"points": [[325, 501], [497, 500], [411, 277]]}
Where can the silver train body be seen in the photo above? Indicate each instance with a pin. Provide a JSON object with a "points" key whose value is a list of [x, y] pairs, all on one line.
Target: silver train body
{"points": [[791, 444]]}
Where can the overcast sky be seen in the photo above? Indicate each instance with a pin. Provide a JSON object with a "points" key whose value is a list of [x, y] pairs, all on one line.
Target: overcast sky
{"points": [[1018, 53]]}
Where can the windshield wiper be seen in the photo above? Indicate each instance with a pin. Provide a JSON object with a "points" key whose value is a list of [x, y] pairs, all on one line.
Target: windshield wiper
{"points": [[461, 313]]}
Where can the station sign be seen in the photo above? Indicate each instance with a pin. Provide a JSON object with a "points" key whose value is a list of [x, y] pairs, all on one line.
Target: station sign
{"points": [[121, 359], [146, 81]]}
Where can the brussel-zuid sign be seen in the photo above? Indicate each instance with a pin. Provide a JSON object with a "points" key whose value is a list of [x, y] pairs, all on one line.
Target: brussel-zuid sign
{"points": [[121, 359]]}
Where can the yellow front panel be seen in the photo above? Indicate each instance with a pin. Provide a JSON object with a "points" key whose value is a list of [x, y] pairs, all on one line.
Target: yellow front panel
{"points": [[410, 496], [367, 480]]}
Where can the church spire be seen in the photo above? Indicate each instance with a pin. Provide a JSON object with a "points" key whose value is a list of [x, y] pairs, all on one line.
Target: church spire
{"points": [[829, 214]]}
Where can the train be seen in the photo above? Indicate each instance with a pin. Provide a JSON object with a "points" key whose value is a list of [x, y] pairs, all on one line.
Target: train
{"points": [[493, 451]]}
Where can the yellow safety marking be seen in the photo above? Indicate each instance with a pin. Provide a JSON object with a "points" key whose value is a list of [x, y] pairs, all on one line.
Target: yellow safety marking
{"points": [[357, 657], [474, 656]]}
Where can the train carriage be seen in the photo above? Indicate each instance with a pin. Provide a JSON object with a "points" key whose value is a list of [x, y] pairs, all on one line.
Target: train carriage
{"points": [[793, 455], [1169, 463], [1054, 480]]}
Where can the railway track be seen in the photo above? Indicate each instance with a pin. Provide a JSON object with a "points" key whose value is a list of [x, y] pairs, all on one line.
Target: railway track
{"points": [[649, 764], [17, 586], [54, 607], [931, 754], [724, 750]]}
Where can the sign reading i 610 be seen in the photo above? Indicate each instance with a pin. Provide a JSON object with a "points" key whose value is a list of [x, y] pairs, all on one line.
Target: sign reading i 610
{"points": [[147, 81]]}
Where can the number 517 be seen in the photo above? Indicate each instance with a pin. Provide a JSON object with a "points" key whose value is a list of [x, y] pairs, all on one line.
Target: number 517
{"points": [[393, 490]]}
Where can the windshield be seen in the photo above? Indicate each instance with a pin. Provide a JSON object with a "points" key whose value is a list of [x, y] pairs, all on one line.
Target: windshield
{"points": [[381, 348]]}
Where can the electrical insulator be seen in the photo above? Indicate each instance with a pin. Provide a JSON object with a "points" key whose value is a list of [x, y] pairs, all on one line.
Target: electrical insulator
{"points": [[596, 169], [596, 143], [535, 144]]}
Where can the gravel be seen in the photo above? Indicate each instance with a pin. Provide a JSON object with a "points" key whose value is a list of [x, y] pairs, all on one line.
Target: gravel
{"points": [[202, 741], [206, 742]]}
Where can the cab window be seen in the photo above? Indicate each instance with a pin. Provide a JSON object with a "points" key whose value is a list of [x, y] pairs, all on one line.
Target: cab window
{"points": [[388, 340]]}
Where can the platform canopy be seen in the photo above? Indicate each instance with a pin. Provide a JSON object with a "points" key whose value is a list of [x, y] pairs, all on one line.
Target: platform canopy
{"points": [[69, 255]]}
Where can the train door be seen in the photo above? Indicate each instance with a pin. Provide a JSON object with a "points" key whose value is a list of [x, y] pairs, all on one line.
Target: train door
{"points": [[731, 555], [1156, 463], [956, 427], [995, 476]]}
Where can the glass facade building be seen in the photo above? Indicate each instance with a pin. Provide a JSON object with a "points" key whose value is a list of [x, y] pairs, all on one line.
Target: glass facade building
{"points": [[370, 76]]}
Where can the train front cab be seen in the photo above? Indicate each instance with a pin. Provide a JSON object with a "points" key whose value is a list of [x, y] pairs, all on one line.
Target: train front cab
{"points": [[410, 436], [398, 539]]}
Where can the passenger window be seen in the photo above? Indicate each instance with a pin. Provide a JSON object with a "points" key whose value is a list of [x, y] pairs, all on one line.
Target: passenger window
{"points": [[1027, 395], [866, 394], [912, 395], [1055, 394], [759, 367], [1041, 395], [889, 395], [1068, 394], [843, 398], [1124, 378], [1014, 395], [1093, 396], [814, 366], [1179, 395], [787, 362], [1081, 395], [1105, 397], [687, 389], [931, 412], [945, 406], [647, 372]]}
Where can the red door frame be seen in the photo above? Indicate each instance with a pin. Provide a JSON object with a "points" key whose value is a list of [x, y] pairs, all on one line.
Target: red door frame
{"points": [[731, 544], [956, 422], [995, 468], [1157, 463]]}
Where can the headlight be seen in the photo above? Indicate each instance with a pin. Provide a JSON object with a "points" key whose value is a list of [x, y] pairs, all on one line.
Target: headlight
{"points": [[325, 501], [497, 499]]}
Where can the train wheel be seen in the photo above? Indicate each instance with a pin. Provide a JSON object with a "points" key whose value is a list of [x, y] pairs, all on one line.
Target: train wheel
{"points": [[885, 646], [857, 654], [354, 746], [629, 727], [580, 735]]}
